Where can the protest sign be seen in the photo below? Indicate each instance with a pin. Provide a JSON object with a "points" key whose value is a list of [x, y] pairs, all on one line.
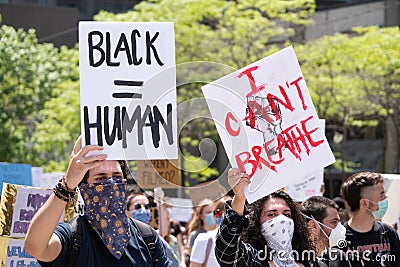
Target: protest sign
{"points": [[157, 173], [268, 124], [19, 204], [306, 187], [37, 173], [181, 209], [211, 190], [128, 88], [392, 188], [47, 179], [16, 173], [13, 253]]}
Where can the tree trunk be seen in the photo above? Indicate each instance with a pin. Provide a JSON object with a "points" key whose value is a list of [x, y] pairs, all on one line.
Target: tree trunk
{"points": [[391, 160]]}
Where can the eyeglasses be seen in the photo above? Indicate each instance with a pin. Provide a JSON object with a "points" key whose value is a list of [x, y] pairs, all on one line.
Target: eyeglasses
{"points": [[217, 213], [139, 206]]}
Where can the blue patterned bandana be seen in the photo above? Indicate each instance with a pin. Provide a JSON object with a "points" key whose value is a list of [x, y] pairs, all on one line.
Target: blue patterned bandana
{"points": [[105, 204]]}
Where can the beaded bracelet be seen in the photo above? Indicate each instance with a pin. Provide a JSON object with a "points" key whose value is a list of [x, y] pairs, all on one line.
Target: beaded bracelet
{"points": [[66, 186], [62, 191]]}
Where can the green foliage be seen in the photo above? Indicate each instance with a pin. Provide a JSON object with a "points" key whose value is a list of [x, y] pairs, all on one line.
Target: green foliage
{"points": [[354, 80], [351, 77], [28, 72], [232, 33]]}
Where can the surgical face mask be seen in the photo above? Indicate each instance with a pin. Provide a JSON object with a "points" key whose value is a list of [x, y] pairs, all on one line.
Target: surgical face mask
{"points": [[142, 215], [209, 219], [278, 232], [218, 220], [383, 206]]}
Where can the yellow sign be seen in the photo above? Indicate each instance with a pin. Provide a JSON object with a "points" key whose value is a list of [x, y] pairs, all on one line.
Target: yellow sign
{"points": [[158, 173]]}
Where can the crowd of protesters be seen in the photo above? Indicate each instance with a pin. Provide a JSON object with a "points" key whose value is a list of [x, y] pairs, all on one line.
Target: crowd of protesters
{"points": [[135, 229]]}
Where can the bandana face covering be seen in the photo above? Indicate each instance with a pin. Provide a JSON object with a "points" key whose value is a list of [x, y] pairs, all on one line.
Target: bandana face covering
{"points": [[105, 212], [278, 233]]}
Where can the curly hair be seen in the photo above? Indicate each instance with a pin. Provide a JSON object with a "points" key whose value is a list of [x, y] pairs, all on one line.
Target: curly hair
{"points": [[301, 240]]}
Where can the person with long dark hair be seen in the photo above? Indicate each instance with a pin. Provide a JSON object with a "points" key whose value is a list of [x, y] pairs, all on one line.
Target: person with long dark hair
{"points": [[269, 232]]}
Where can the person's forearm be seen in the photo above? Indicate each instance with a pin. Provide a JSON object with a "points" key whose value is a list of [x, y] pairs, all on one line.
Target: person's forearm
{"points": [[42, 226], [238, 203]]}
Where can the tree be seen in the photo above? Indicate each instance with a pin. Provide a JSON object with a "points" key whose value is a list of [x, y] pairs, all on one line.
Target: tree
{"points": [[354, 82], [230, 33], [29, 72]]}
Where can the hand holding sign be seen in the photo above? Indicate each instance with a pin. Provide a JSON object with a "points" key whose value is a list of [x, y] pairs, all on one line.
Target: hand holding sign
{"points": [[268, 124], [238, 181], [80, 162]]}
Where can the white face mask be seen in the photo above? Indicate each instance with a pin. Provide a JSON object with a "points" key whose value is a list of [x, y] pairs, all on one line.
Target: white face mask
{"points": [[337, 234], [278, 233]]}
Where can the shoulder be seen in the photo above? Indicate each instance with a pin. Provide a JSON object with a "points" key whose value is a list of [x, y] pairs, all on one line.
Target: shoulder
{"points": [[204, 236], [385, 226]]}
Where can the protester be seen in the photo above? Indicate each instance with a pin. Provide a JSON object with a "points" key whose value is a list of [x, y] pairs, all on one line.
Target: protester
{"points": [[203, 252], [139, 208], [343, 213], [176, 232], [201, 222], [109, 237], [326, 230], [374, 243], [276, 234]]}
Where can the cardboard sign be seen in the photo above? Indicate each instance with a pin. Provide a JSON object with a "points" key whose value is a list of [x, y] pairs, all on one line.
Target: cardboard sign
{"points": [[268, 124], [128, 88], [158, 173], [13, 253], [211, 190], [307, 186], [15, 173]]}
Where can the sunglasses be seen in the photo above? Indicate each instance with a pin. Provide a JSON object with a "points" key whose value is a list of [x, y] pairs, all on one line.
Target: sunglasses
{"points": [[139, 206], [217, 213]]}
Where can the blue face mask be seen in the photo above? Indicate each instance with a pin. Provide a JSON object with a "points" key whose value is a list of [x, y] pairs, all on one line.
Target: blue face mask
{"points": [[209, 219], [142, 215], [218, 220], [383, 206]]}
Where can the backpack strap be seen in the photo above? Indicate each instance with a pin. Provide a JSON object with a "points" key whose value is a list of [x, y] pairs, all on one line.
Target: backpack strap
{"points": [[146, 231], [208, 250], [78, 235]]}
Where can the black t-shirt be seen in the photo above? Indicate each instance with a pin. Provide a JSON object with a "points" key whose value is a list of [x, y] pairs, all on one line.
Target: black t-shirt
{"points": [[378, 247], [93, 252]]}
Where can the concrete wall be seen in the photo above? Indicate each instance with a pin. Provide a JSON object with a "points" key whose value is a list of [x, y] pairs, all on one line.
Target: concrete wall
{"points": [[329, 22], [53, 24]]}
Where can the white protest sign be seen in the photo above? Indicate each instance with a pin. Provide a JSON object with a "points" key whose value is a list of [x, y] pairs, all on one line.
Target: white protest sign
{"points": [[17, 255], [181, 209], [306, 187], [37, 173], [268, 124], [27, 203], [128, 88], [48, 179], [392, 189]]}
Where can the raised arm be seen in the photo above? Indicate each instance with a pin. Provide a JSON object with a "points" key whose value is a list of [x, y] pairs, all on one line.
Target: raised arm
{"points": [[40, 241], [238, 182]]}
